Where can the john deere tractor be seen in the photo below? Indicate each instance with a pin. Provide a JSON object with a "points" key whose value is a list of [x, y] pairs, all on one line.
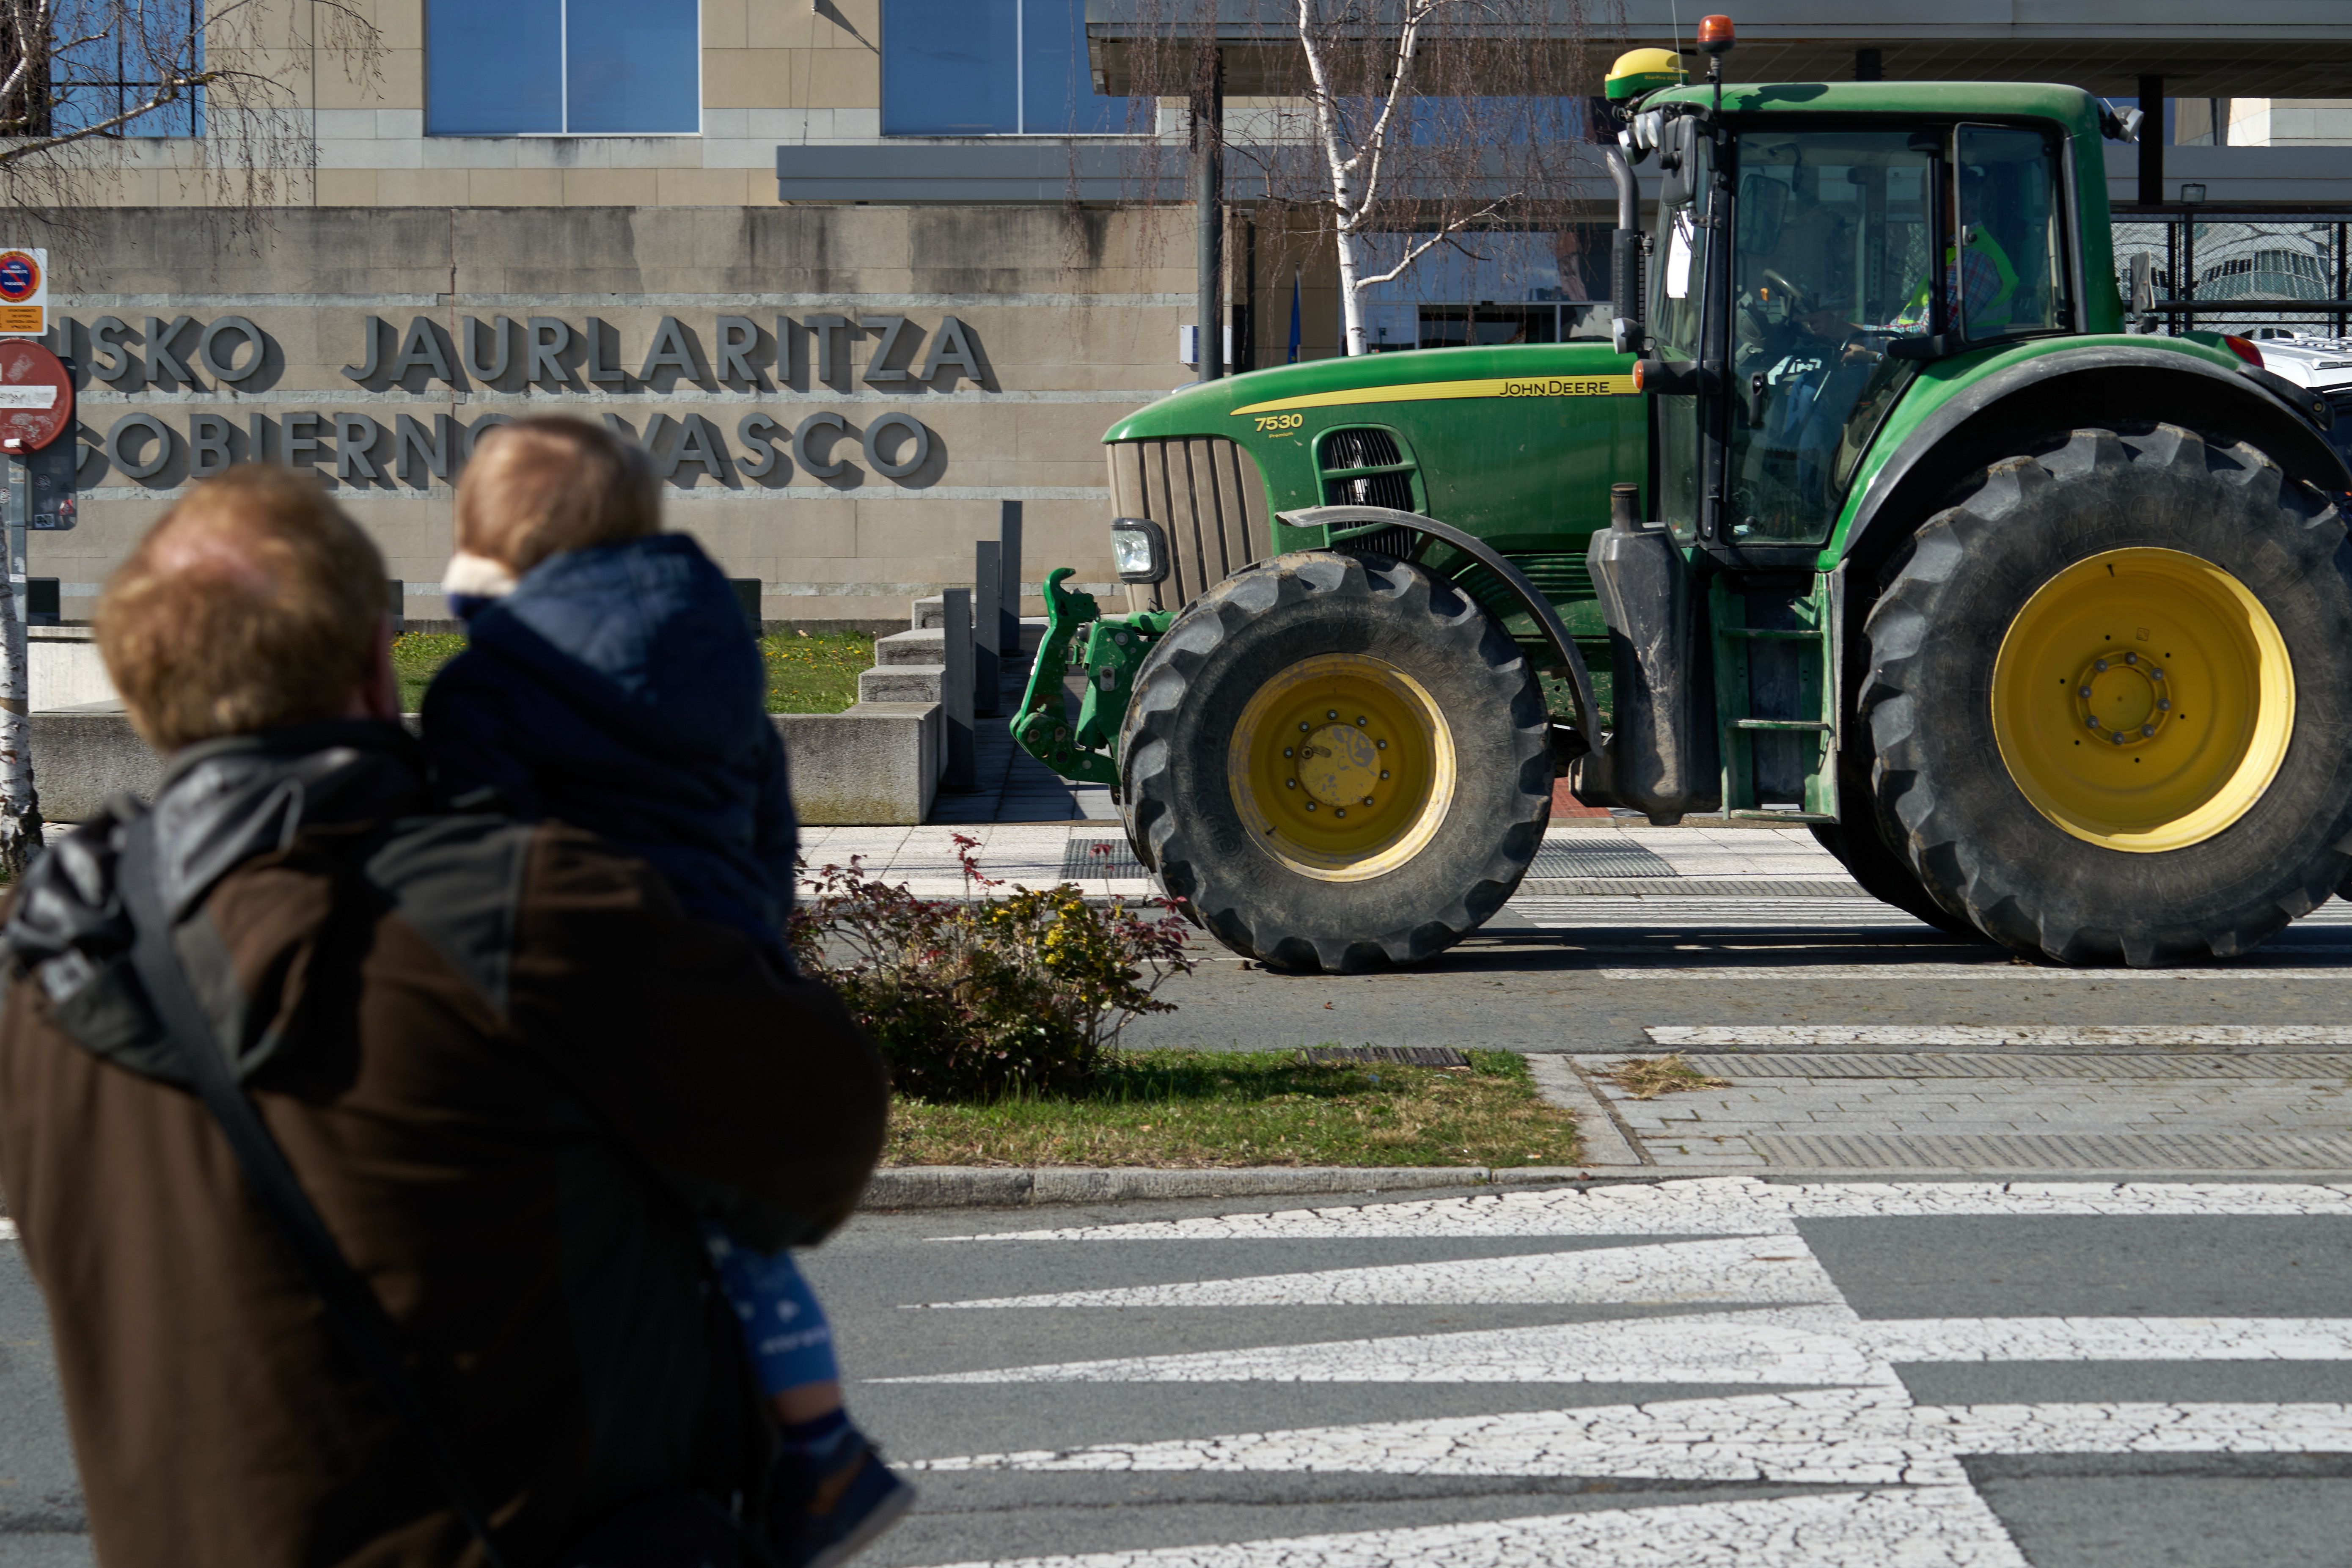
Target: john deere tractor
{"points": [[1871, 515]]}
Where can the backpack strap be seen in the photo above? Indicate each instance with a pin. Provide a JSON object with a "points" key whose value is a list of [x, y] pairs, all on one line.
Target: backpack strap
{"points": [[353, 1315]]}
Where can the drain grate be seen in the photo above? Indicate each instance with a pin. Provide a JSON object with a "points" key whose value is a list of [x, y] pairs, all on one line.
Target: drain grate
{"points": [[1401, 1055], [1081, 861], [1564, 857]]}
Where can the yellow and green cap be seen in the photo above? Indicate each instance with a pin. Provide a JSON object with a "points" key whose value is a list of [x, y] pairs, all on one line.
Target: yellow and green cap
{"points": [[1644, 71]]}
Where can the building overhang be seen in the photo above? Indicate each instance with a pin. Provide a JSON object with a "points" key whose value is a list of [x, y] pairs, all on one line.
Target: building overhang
{"points": [[2253, 49]]}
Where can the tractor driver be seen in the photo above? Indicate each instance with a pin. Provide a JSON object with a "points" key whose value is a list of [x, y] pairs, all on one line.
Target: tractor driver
{"points": [[1799, 363]]}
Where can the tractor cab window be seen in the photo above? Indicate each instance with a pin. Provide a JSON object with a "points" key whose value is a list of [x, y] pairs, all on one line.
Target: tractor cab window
{"points": [[2008, 260], [1833, 232]]}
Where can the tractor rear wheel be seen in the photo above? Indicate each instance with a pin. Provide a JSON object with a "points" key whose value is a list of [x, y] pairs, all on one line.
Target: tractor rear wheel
{"points": [[1337, 762], [2110, 700]]}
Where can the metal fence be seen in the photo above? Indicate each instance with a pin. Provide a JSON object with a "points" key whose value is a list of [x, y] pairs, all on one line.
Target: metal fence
{"points": [[2253, 272]]}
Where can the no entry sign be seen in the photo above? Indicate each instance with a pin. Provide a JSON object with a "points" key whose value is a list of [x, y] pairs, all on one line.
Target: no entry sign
{"points": [[23, 291], [36, 401]]}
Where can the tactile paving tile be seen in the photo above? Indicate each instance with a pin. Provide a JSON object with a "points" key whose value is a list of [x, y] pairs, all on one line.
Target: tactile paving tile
{"points": [[1092, 859], [1596, 857], [2054, 1152], [1987, 1065]]}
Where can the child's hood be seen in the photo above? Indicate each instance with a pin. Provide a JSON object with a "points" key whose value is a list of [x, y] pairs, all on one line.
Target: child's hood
{"points": [[646, 635]]}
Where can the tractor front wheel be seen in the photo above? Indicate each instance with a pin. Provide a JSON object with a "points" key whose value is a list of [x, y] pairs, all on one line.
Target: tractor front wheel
{"points": [[1337, 762], [2110, 700]]}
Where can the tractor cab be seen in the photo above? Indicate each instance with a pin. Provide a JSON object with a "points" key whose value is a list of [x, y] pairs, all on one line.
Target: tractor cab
{"points": [[1807, 266]]}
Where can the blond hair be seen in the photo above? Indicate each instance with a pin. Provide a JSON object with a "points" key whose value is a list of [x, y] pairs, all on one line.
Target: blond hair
{"points": [[255, 602], [537, 487]]}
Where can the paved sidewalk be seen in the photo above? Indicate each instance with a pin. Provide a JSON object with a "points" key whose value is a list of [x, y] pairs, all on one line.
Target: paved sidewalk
{"points": [[2160, 1109], [1662, 862]]}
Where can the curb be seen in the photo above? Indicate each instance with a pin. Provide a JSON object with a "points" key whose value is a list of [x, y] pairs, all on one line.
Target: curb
{"points": [[995, 1187]]}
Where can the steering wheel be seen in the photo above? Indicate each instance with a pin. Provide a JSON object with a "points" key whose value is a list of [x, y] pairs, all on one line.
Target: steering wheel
{"points": [[1774, 278]]}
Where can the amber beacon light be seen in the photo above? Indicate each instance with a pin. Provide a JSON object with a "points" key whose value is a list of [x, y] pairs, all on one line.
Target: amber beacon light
{"points": [[1715, 34]]}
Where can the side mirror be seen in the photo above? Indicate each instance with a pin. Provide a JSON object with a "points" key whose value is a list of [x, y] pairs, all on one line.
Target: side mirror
{"points": [[2143, 290], [1678, 139]]}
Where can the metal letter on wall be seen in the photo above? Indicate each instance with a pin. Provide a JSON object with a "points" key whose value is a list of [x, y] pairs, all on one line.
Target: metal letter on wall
{"points": [[543, 365], [117, 443], [208, 450], [737, 336], [879, 368], [950, 346], [420, 349], [918, 445], [827, 330], [301, 434], [806, 434], [219, 366], [374, 327], [355, 438], [105, 335], [757, 431], [698, 442], [161, 360], [598, 371], [470, 341], [411, 447], [672, 350]]}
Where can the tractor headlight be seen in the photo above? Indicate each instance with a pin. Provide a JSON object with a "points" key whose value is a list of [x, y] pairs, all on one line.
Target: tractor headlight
{"points": [[1138, 548]]}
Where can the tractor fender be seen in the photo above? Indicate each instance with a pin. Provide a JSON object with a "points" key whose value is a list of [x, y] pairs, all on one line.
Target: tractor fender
{"points": [[1368, 518], [1985, 421]]}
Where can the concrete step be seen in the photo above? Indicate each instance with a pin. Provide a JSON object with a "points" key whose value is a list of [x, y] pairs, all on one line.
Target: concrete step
{"points": [[902, 683], [911, 648], [931, 614]]}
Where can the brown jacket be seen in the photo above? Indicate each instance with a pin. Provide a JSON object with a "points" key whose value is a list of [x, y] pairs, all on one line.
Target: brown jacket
{"points": [[511, 1075]]}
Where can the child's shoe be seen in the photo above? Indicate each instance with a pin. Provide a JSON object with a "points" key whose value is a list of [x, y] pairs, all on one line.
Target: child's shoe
{"points": [[845, 1506]]}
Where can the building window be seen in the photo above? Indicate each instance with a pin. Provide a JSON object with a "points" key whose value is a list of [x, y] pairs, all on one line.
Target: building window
{"points": [[1490, 288], [562, 68], [122, 57], [990, 68]]}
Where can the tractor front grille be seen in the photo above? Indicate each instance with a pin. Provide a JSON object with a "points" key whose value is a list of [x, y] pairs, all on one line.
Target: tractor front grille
{"points": [[1208, 494]]}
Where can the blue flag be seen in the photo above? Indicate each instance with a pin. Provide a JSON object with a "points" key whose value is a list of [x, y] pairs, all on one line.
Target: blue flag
{"points": [[1294, 318]]}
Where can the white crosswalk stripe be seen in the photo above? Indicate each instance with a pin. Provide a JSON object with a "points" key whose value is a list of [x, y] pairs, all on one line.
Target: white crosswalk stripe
{"points": [[1946, 1526], [1830, 1406]]}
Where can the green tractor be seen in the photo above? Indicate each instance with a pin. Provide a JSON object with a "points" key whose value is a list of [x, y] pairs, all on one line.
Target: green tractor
{"points": [[1872, 516]]}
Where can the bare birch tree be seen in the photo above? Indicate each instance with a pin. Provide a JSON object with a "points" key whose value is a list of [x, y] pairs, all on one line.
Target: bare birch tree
{"points": [[1387, 129], [214, 96], [93, 91]]}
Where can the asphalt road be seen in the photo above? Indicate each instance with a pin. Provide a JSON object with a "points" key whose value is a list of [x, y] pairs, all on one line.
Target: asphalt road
{"points": [[1928, 1375], [1533, 981], [1779, 1376]]}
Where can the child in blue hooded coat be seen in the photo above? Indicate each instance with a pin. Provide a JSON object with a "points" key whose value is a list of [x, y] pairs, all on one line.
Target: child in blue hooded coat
{"points": [[610, 682]]}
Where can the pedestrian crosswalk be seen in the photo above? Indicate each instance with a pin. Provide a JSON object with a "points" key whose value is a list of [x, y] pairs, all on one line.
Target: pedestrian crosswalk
{"points": [[1712, 1286]]}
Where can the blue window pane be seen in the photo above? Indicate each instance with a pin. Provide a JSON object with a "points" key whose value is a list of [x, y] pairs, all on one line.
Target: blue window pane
{"points": [[1057, 85], [636, 66], [948, 67], [493, 69], [123, 64]]}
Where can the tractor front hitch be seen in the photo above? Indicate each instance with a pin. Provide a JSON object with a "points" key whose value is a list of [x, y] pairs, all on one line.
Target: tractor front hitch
{"points": [[1113, 650]]}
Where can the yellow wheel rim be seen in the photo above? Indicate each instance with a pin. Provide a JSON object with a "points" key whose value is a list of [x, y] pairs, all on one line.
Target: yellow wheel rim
{"points": [[2142, 700], [1342, 767]]}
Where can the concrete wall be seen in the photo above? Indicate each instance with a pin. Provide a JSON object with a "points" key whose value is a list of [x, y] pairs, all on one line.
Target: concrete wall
{"points": [[1069, 318], [876, 764]]}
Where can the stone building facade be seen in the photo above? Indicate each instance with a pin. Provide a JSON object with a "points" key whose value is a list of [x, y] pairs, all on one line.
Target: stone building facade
{"points": [[838, 394]]}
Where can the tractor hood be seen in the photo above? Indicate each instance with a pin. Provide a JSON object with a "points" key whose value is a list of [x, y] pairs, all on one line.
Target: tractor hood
{"points": [[1232, 405]]}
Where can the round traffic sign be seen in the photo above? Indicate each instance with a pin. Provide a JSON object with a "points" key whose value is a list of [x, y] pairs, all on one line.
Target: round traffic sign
{"points": [[20, 276], [37, 397]]}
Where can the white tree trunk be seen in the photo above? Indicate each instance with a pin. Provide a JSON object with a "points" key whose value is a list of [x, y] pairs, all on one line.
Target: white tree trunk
{"points": [[20, 805], [1351, 293]]}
